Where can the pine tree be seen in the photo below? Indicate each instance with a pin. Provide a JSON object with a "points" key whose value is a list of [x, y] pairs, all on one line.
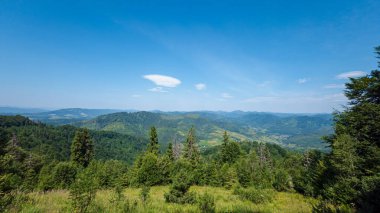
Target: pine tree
{"points": [[191, 151], [353, 164], [4, 138], [82, 149], [169, 152], [224, 154], [153, 146], [230, 151]]}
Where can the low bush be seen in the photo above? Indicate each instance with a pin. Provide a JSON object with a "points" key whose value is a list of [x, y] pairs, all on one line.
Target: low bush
{"points": [[206, 203], [255, 195], [144, 194]]}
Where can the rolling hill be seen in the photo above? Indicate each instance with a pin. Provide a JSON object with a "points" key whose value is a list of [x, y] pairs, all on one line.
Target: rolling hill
{"points": [[289, 130], [53, 142]]}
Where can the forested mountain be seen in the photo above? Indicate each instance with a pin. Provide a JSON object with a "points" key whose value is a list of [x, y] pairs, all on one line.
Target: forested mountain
{"points": [[290, 130], [54, 142], [296, 131]]}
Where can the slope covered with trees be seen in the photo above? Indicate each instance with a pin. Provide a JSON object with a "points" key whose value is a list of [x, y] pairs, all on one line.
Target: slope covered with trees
{"points": [[54, 142], [293, 131]]}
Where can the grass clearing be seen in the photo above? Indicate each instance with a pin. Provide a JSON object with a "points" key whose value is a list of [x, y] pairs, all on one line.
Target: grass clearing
{"points": [[58, 201]]}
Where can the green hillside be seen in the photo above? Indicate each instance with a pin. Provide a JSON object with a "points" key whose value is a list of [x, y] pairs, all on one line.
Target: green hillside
{"points": [[293, 131], [54, 142]]}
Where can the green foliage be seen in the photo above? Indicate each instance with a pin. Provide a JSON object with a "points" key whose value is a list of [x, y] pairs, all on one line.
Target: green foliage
{"points": [[179, 190], [120, 202], [229, 176], [148, 173], [191, 151], [282, 180], [110, 173], [4, 138], [230, 151], [254, 195], [45, 178], [82, 149], [53, 143], [83, 190], [169, 152], [144, 194], [353, 165], [303, 131], [63, 175], [153, 145], [208, 174], [325, 206], [206, 203]]}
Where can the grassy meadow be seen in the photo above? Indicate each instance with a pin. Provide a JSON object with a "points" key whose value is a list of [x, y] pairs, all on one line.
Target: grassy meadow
{"points": [[225, 201]]}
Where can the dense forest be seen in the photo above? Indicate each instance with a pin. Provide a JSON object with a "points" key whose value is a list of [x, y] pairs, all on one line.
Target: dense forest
{"points": [[43, 158]]}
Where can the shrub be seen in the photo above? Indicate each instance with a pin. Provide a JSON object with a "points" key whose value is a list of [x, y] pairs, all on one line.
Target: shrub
{"points": [[64, 174], [206, 203], [83, 190], [254, 195], [179, 191], [324, 206], [282, 181], [120, 202], [144, 194]]}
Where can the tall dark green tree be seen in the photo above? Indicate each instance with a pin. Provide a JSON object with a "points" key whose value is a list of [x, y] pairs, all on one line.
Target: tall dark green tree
{"points": [[191, 151], [153, 146], [230, 151], [4, 138], [354, 163], [82, 148], [169, 152]]}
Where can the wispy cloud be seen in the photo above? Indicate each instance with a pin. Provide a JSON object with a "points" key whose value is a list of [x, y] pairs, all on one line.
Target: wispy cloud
{"points": [[158, 89], [302, 80], [352, 74], [200, 86], [136, 96], [334, 86], [226, 95], [163, 80]]}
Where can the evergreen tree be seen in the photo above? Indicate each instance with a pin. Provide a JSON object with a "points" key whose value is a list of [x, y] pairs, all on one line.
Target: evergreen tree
{"points": [[230, 151], [82, 149], [353, 164], [191, 151], [153, 146], [149, 173], [169, 152], [4, 138]]}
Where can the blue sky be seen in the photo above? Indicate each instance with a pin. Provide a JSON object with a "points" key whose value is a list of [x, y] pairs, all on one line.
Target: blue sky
{"points": [[277, 56]]}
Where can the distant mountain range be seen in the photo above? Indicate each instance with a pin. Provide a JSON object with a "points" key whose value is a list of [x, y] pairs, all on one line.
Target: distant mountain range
{"points": [[296, 131], [293, 131]]}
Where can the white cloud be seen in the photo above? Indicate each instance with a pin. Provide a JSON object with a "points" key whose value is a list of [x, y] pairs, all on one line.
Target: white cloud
{"points": [[158, 89], [352, 74], [226, 95], [302, 80], [136, 96], [334, 86], [163, 80], [200, 86]]}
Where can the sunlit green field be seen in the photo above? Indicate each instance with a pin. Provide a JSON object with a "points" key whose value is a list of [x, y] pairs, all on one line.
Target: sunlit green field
{"points": [[58, 201]]}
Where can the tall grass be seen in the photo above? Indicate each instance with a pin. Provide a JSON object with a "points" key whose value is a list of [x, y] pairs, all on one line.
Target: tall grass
{"points": [[225, 201]]}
